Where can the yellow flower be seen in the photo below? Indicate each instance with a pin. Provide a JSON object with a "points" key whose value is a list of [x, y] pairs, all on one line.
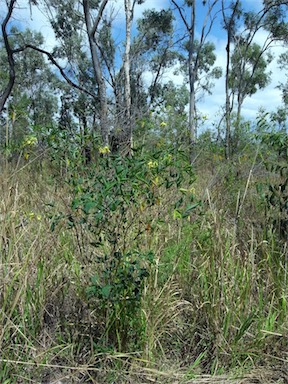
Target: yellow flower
{"points": [[152, 164], [163, 124], [168, 158], [156, 181], [26, 155], [30, 140], [39, 217], [104, 150]]}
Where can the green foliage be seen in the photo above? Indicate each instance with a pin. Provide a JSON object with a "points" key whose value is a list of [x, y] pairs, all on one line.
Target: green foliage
{"points": [[248, 69], [66, 26], [33, 103], [154, 26], [206, 71], [118, 288], [113, 210], [106, 196], [275, 191], [283, 64], [132, 266], [122, 280]]}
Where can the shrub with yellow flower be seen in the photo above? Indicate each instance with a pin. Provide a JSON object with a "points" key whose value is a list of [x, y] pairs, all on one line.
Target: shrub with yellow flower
{"points": [[152, 164], [28, 143], [104, 150]]}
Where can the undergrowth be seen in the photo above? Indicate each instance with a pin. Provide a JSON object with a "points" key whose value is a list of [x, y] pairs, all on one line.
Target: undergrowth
{"points": [[166, 277]]}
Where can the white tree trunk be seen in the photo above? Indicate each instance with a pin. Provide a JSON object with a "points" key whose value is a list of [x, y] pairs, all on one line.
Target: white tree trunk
{"points": [[91, 31], [127, 128]]}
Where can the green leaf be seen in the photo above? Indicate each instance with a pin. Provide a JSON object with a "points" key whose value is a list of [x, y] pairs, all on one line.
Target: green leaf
{"points": [[189, 209], [177, 214], [245, 326], [88, 206], [106, 290], [75, 204]]}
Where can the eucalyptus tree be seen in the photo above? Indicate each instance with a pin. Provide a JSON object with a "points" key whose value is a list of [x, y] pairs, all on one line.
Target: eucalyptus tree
{"points": [[280, 117], [248, 74], [121, 80], [174, 99], [65, 24], [32, 102], [203, 83], [76, 25], [149, 50], [10, 54], [155, 45], [283, 64], [247, 62], [230, 16], [198, 53], [250, 60], [92, 24], [129, 8], [152, 52]]}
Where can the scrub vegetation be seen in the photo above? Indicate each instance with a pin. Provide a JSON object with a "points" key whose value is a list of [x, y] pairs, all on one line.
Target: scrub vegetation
{"points": [[144, 266], [140, 240]]}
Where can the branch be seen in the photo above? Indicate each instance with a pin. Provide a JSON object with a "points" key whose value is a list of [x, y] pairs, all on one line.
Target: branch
{"points": [[54, 62], [181, 15], [203, 34], [11, 62], [98, 18], [212, 19]]}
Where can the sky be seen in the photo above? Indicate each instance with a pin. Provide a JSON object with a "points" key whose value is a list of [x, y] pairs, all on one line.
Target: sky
{"points": [[269, 98]]}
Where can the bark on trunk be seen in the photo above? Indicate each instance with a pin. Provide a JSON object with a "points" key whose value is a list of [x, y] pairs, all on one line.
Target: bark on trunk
{"points": [[227, 103], [192, 78], [91, 31], [192, 73], [229, 26], [8, 89], [127, 128]]}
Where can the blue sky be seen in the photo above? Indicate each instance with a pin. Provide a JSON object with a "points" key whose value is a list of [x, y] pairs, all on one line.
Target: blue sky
{"points": [[269, 98]]}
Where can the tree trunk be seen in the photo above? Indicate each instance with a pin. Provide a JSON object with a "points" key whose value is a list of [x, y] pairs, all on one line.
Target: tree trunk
{"points": [[127, 128], [8, 89], [238, 121], [193, 62], [192, 78], [229, 24], [227, 103], [91, 31]]}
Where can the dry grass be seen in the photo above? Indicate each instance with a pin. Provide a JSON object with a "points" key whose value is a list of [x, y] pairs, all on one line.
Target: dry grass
{"points": [[216, 297]]}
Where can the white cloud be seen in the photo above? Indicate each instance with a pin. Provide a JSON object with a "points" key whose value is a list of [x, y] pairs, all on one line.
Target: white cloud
{"points": [[35, 19]]}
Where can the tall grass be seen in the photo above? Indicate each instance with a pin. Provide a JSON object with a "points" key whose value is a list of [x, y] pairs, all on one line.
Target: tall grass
{"points": [[215, 298]]}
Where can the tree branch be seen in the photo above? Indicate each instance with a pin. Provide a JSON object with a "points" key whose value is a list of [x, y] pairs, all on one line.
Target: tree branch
{"points": [[54, 62], [11, 62], [181, 15], [98, 18]]}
